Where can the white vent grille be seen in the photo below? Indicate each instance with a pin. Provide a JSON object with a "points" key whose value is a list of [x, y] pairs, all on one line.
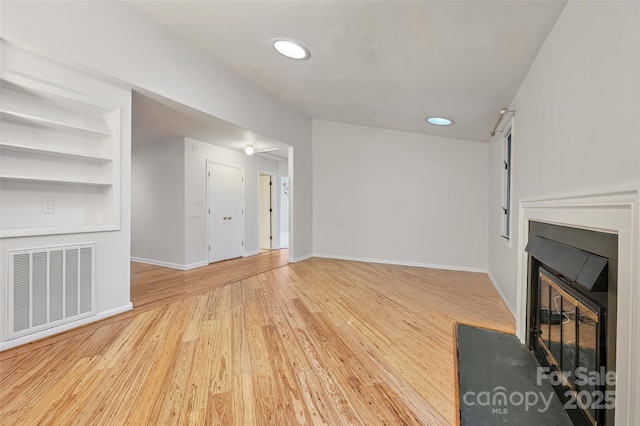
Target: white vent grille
{"points": [[50, 286]]}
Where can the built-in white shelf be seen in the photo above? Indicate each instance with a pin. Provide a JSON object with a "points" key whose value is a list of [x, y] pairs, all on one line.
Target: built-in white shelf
{"points": [[33, 120], [54, 180], [54, 230], [52, 152], [61, 148]]}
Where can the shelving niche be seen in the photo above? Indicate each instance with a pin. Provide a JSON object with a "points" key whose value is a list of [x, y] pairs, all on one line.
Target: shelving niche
{"points": [[59, 159]]}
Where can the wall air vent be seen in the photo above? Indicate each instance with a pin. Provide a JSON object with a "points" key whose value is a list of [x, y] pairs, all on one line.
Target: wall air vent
{"points": [[49, 287]]}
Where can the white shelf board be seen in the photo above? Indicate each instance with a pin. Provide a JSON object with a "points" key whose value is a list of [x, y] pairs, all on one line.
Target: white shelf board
{"points": [[20, 118], [34, 86], [57, 153], [55, 230], [53, 180]]}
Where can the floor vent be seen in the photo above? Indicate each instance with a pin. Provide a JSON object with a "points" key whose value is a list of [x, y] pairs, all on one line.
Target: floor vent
{"points": [[50, 286]]}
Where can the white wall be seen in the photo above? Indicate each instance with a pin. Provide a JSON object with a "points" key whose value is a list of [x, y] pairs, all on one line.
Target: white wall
{"points": [[399, 197], [577, 123], [169, 187], [125, 46], [284, 211], [283, 205], [157, 214], [112, 248], [196, 189], [301, 202]]}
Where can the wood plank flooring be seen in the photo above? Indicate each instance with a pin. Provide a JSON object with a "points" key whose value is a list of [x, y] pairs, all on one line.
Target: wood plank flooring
{"points": [[316, 342], [152, 286]]}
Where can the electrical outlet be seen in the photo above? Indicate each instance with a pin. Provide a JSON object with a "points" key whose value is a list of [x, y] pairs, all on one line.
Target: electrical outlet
{"points": [[345, 245], [47, 207], [149, 248]]}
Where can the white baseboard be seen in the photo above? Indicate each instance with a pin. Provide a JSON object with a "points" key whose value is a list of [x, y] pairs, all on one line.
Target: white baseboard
{"points": [[501, 293], [251, 253], [158, 263], [301, 258], [65, 327], [403, 263], [170, 264], [196, 265]]}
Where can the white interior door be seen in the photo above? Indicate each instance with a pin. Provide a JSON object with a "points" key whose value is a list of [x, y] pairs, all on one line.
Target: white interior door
{"points": [[226, 212]]}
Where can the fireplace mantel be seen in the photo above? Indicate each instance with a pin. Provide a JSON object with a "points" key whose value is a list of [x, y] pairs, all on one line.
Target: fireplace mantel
{"points": [[613, 210]]}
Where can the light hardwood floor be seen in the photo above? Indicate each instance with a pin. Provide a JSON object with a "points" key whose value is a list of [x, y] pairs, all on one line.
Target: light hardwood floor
{"points": [[152, 286], [316, 342]]}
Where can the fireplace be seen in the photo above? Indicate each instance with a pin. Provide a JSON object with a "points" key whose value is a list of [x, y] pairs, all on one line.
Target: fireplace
{"points": [[572, 298]]}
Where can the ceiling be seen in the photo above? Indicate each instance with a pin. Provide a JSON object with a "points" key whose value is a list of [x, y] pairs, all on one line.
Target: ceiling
{"points": [[158, 119], [385, 64]]}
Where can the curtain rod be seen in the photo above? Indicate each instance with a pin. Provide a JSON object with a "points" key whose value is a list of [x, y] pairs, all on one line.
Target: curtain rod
{"points": [[503, 112]]}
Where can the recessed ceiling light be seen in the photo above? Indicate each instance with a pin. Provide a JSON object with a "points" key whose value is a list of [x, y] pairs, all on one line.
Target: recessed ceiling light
{"points": [[291, 49], [248, 149], [440, 121]]}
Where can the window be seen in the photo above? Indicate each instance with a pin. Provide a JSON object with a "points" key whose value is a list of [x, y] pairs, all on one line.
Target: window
{"points": [[506, 183]]}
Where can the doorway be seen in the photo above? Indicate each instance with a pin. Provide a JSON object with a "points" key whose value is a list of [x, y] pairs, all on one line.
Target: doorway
{"points": [[266, 202], [225, 194]]}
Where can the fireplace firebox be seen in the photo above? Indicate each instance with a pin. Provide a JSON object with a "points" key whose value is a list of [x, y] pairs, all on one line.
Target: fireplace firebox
{"points": [[571, 316]]}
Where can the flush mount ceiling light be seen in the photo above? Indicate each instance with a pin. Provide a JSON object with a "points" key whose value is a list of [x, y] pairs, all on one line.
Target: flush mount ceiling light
{"points": [[248, 149], [291, 49], [440, 121]]}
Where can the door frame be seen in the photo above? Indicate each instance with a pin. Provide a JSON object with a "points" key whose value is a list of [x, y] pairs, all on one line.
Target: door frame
{"points": [[275, 211], [206, 178]]}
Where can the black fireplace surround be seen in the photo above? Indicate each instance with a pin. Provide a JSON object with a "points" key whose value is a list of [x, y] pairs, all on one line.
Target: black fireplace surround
{"points": [[572, 297]]}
